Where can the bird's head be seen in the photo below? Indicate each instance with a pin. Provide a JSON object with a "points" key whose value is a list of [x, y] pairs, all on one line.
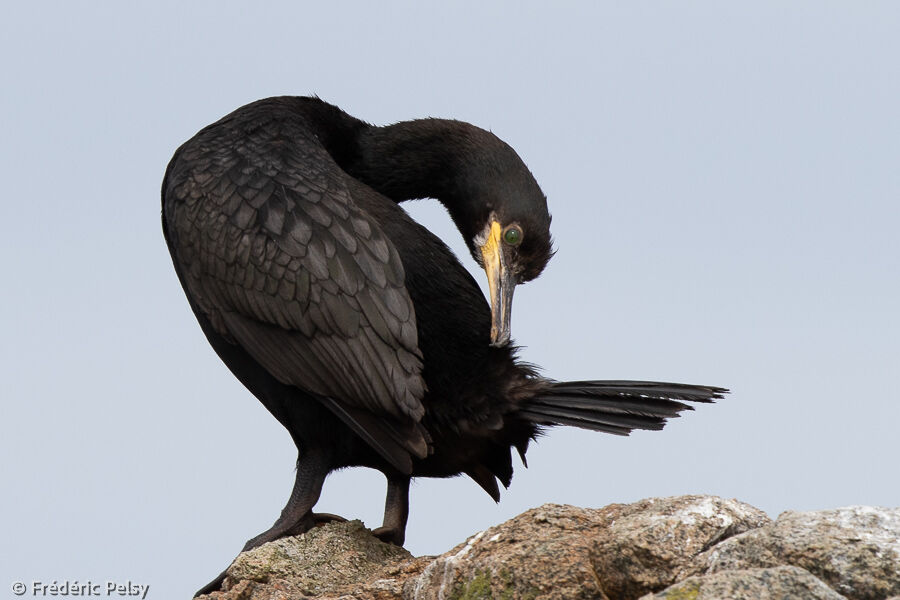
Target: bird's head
{"points": [[491, 195], [511, 251], [506, 224]]}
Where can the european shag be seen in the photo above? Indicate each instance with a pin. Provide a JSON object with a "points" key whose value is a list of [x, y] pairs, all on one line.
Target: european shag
{"points": [[356, 327]]}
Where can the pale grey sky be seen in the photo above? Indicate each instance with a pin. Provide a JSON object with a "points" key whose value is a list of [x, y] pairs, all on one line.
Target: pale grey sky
{"points": [[724, 181]]}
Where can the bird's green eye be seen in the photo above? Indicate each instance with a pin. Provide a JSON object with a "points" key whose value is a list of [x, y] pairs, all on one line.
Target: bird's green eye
{"points": [[512, 236]]}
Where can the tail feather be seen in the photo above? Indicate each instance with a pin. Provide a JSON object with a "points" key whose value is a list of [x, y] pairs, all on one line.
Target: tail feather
{"points": [[616, 407], [645, 389], [551, 418], [600, 416], [649, 407]]}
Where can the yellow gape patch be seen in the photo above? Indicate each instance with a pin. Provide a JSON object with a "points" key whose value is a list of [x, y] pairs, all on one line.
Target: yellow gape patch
{"points": [[492, 256]]}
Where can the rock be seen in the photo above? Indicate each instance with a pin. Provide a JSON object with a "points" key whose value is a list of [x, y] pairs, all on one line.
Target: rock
{"points": [[542, 553], [336, 559], [688, 547], [750, 584], [650, 544], [620, 551], [856, 550]]}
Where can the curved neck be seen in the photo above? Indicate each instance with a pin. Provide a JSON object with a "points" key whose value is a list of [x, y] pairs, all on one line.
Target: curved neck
{"points": [[427, 158], [412, 159]]}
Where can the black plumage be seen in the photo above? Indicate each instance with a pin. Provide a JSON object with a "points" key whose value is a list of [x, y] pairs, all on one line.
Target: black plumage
{"points": [[357, 328]]}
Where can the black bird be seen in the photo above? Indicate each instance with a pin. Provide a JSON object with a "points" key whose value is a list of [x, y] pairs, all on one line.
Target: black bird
{"points": [[356, 327]]}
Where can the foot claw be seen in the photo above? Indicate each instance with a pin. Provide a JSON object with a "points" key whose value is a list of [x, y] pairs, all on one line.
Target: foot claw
{"points": [[323, 518], [213, 586], [389, 535]]}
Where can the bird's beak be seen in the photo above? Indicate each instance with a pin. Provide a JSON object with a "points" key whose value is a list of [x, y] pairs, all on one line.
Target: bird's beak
{"points": [[501, 284]]}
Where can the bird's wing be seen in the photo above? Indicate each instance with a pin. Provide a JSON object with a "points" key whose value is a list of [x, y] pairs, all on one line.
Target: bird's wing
{"points": [[281, 260]]}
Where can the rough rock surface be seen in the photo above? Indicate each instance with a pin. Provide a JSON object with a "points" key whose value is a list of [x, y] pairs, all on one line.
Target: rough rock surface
{"points": [[700, 547], [855, 550], [650, 544], [750, 584], [620, 551], [336, 559]]}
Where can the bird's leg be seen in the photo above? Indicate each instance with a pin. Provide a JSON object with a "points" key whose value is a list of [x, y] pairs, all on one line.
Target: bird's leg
{"points": [[297, 516], [396, 511]]}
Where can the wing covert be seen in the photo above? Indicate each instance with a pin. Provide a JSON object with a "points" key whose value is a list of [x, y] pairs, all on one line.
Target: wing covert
{"points": [[279, 257]]}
